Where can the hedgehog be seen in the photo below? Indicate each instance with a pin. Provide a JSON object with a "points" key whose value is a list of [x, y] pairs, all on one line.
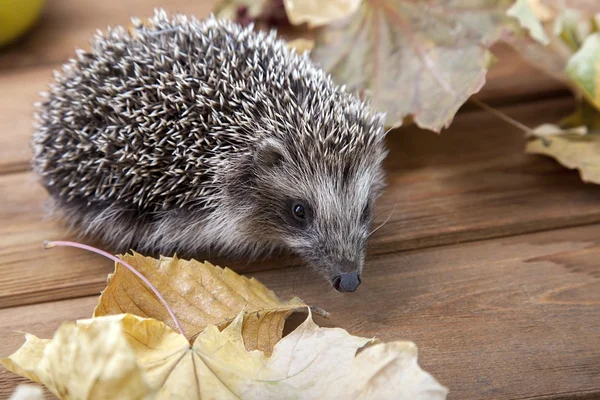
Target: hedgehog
{"points": [[201, 136]]}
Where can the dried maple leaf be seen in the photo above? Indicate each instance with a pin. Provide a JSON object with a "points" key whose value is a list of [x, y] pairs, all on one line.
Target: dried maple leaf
{"points": [[573, 150], [301, 45], [318, 12], [309, 363], [574, 142], [565, 26], [97, 362], [587, 6], [27, 391], [200, 294], [413, 58], [527, 12]]}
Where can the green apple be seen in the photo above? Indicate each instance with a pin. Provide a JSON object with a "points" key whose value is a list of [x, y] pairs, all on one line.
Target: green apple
{"points": [[16, 17]]}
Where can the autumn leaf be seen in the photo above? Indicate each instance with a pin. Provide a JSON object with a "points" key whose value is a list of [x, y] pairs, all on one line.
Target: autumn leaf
{"points": [[584, 69], [93, 363], [422, 59], [587, 6], [301, 45], [527, 12], [573, 56], [566, 29], [27, 391], [317, 12], [200, 294], [309, 363], [574, 151], [574, 142]]}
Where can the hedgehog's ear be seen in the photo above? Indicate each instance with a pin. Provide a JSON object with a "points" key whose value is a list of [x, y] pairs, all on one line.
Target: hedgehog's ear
{"points": [[270, 153]]}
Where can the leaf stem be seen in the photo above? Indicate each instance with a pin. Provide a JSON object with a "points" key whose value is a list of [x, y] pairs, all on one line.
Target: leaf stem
{"points": [[50, 244], [503, 117]]}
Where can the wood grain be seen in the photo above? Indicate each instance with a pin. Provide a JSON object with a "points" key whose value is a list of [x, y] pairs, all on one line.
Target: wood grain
{"points": [[69, 24], [512, 318], [28, 273], [18, 92], [467, 184], [474, 181]]}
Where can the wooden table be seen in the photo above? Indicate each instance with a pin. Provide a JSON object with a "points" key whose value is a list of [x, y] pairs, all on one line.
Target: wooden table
{"points": [[490, 263]]}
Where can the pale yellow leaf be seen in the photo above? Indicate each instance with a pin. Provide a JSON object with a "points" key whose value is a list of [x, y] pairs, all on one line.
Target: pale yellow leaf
{"points": [[565, 26], [586, 6], [318, 12], [309, 363], [390, 371], [301, 45], [572, 149], [27, 392], [200, 294], [230, 9], [526, 12], [25, 360], [585, 115], [542, 11], [419, 58], [584, 69], [93, 363]]}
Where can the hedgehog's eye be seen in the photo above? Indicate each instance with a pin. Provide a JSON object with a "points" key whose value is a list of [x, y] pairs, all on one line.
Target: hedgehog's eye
{"points": [[366, 214], [299, 211]]}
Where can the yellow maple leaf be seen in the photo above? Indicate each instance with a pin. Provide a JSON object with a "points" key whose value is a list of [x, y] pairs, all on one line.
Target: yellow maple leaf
{"points": [[93, 363], [150, 360], [200, 294]]}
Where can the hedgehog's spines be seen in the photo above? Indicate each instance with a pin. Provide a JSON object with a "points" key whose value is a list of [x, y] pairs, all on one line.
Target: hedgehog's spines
{"points": [[154, 118]]}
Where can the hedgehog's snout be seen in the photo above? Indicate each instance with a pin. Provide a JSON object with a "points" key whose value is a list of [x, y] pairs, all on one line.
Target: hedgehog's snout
{"points": [[347, 282]]}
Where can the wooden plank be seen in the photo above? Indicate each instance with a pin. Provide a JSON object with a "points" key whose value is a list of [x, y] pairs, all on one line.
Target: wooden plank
{"points": [[30, 273], [510, 318], [18, 92], [472, 182], [69, 24]]}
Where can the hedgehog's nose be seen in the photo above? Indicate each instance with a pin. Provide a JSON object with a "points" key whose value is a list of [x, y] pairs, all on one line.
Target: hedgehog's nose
{"points": [[346, 282]]}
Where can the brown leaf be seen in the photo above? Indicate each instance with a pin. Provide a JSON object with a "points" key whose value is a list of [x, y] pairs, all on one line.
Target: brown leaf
{"points": [[420, 58], [200, 294]]}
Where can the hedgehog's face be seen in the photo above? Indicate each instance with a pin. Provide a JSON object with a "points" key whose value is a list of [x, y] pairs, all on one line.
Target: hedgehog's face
{"points": [[320, 209]]}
